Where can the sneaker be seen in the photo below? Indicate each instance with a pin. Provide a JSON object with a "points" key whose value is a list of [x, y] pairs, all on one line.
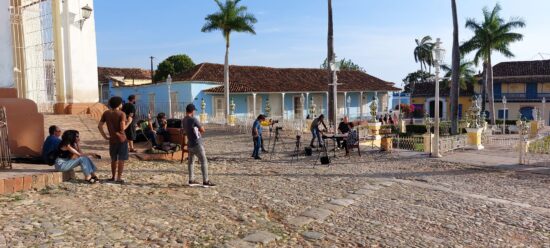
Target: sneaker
{"points": [[258, 158], [208, 184], [193, 183], [264, 151]]}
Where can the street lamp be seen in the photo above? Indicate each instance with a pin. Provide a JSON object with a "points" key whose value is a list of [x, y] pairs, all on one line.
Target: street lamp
{"points": [[439, 56], [334, 67], [169, 83], [504, 124], [86, 13]]}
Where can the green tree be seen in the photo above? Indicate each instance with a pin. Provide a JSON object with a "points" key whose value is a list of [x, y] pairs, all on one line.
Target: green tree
{"points": [[414, 78], [173, 65], [492, 34], [423, 53], [231, 17], [466, 74], [455, 72], [345, 65]]}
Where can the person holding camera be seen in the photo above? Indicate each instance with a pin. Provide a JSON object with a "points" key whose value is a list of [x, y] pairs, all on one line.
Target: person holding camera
{"points": [[257, 136], [316, 132]]}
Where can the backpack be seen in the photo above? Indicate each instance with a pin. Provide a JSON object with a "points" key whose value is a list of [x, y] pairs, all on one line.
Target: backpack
{"points": [[51, 157]]}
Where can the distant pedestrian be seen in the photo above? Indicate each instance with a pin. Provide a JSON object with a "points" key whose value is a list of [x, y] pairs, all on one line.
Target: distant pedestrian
{"points": [[194, 130], [130, 110], [257, 136], [118, 143]]}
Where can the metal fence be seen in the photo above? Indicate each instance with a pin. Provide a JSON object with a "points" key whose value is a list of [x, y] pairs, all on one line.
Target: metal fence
{"points": [[409, 143], [5, 155]]}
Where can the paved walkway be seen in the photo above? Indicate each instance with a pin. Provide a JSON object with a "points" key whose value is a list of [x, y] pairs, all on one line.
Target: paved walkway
{"points": [[376, 200]]}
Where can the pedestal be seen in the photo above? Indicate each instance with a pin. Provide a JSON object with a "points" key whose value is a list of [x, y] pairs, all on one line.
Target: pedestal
{"points": [[534, 129], [232, 120], [474, 138], [374, 130], [428, 141], [403, 126], [203, 118], [386, 144]]}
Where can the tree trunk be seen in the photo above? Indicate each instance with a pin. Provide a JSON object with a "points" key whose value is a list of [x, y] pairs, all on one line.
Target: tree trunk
{"points": [[226, 79], [490, 90], [455, 80], [330, 58]]}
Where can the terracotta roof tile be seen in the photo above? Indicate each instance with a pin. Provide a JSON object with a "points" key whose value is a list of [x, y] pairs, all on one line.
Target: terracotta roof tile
{"points": [[522, 71], [105, 73], [267, 79]]}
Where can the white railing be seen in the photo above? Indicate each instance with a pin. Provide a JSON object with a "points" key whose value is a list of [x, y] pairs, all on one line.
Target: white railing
{"points": [[453, 142]]}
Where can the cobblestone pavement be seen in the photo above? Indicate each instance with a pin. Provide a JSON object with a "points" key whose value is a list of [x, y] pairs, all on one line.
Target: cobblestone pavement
{"points": [[373, 200]]}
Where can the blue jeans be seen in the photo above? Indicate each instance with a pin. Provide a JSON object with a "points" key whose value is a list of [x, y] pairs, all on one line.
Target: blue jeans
{"points": [[85, 163], [257, 146], [316, 134]]}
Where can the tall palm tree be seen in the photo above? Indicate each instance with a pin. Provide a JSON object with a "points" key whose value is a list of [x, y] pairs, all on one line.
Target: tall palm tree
{"points": [[493, 34], [230, 17], [455, 72], [330, 58], [423, 52]]}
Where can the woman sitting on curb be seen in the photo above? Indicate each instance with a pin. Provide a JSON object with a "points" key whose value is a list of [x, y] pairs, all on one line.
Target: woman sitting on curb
{"points": [[70, 156]]}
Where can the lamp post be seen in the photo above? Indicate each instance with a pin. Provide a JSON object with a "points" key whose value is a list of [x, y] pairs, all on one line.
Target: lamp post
{"points": [[302, 101], [169, 83], [544, 111], [335, 67], [86, 13], [504, 123], [438, 54]]}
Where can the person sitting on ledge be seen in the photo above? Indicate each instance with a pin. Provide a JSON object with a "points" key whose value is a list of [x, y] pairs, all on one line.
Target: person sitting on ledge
{"points": [[157, 126], [51, 143], [70, 156]]}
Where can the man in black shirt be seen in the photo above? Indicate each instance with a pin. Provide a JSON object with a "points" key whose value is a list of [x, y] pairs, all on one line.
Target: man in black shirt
{"points": [[130, 110], [344, 127]]}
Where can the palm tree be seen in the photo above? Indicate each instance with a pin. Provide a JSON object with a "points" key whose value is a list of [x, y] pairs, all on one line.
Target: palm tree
{"points": [[493, 34], [230, 17], [455, 72], [423, 52], [466, 74], [330, 58]]}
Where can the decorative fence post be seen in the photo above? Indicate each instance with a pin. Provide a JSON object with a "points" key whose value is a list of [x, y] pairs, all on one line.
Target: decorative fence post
{"points": [[232, 117], [475, 132], [203, 116], [522, 126], [428, 136], [374, 125]]}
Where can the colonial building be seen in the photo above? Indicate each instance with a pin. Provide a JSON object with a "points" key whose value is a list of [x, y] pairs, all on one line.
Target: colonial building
{"points": [[120, 77], [523, 84], [286, 93], [423, 97]]}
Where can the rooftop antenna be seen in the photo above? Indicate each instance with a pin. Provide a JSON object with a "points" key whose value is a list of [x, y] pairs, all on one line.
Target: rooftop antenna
{"points": [[542, 56], [152, 71]]}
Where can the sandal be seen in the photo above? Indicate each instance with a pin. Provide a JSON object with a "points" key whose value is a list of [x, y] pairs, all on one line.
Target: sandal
{"points": [[95, 178], [92, 180], [132, 150]]}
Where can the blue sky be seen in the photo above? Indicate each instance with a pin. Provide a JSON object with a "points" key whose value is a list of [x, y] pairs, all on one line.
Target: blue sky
{"points": [[378, 35]]}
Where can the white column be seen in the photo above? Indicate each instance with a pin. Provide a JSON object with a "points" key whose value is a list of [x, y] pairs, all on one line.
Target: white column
{"points": [[253, 105], [6, 60], [307, 104], [361, 105], [346, 109], [283, 105]]}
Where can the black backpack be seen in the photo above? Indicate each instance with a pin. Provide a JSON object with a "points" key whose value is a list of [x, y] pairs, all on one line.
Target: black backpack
{"points": [[51, 157]]}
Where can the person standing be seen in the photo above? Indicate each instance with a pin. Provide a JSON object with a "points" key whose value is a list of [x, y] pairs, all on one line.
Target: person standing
{"points": [[118, 143], [257, 136], [316, 132], [51, 143], [194, 130], [130, 110]]}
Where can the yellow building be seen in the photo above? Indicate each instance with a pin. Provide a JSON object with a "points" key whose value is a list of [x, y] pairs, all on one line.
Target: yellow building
{"points": [[523, 84]]}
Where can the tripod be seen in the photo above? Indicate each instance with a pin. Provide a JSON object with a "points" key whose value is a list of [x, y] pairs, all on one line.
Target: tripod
{"points": [[277, 138], [297, 149]]}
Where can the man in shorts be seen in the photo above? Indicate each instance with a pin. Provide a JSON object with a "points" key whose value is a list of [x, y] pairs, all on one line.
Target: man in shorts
{"points": [[194, 130], [130, 110], [118, 143]]}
